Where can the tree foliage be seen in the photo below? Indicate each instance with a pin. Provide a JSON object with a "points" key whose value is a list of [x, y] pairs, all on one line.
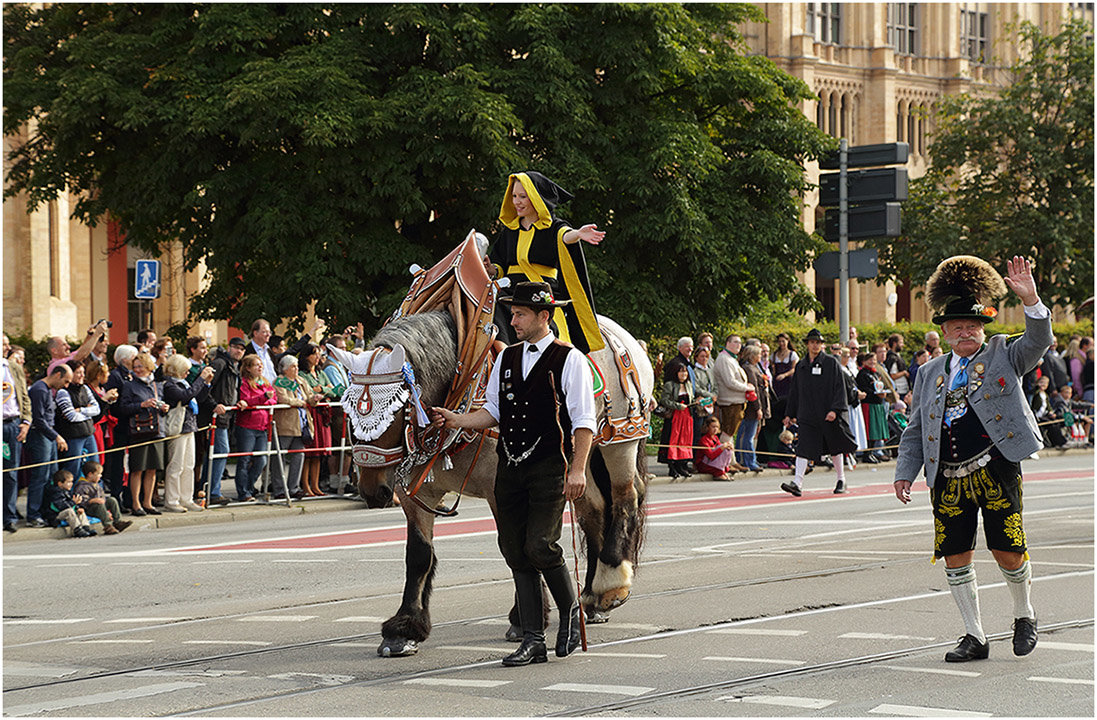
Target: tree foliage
{"points": [[315, 151], [1012, 173]]}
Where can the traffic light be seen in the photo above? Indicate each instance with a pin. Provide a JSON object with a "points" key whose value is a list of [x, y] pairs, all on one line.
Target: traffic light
{"points": [[873, 195]]}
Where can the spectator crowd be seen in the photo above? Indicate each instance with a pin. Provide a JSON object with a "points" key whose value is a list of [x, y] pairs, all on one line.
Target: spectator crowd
{"points": [[724, 409], [99, 436]]}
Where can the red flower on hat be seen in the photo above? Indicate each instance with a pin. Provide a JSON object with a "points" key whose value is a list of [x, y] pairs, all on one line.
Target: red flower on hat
{"points": [[990, 312]]}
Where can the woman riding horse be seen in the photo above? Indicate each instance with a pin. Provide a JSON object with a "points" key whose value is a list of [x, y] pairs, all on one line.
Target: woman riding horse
{"points": [[537, 246]]}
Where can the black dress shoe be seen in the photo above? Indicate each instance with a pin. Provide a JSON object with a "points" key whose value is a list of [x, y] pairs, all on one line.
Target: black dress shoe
{"points": [[1024, 635], [791, 489], [9, 527], [138, 512], [840, 488], [152, 511], [968, 649], [532, 650], [568, 637]]}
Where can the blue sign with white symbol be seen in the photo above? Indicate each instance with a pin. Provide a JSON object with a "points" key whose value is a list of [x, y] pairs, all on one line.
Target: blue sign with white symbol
{"points": [[146, 283]]}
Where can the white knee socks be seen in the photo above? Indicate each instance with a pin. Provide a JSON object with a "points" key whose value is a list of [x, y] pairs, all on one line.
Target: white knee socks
{"points": [[801, 470], [1019, 582], [839, 467], [965, 591]]}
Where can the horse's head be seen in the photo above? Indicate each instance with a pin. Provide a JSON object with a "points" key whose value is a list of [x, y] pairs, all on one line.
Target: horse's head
{"points": [[414, 354]]}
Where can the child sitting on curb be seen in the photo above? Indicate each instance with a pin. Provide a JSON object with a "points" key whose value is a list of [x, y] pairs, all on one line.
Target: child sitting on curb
{"points": [[97, 503], [60, 504]]}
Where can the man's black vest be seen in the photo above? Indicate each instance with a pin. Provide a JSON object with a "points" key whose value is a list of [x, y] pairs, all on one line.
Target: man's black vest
{"points": [[81, 397], [534, 422]]}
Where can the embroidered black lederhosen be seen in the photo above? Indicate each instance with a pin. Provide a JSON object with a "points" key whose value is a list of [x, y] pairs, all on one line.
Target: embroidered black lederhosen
{"points": [[974, 477]]}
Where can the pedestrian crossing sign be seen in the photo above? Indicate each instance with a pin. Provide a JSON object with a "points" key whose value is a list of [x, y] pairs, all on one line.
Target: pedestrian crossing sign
{"points": [[146, 280]]}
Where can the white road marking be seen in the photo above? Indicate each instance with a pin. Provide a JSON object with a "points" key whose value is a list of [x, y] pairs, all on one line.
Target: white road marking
{"points": [[360, 618], [773, 661], [457, 682], [220, 562], [144, 620], [917, 711], [56, 704], [603, 689], [757, 631], [493, 621], [133, 564], [64, 565], [61, 621], [226, 642], [882, 636], [781, 700], [276, 618], [328, 680], [1066, 681], [1055, 645], [933, 671], [506, 650], [36, 670], [639, 626], [122, 641]]}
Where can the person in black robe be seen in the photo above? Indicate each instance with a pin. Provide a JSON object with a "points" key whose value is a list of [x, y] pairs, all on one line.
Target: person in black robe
{"points": [[537, 246], [817, 404]]}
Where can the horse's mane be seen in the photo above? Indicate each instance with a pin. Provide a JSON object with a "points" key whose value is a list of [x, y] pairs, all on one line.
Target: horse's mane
{"points": [[430, 341]]}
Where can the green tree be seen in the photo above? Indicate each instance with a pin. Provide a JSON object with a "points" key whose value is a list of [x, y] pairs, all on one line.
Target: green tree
{"points": [[315, 151], [1012, 173]]}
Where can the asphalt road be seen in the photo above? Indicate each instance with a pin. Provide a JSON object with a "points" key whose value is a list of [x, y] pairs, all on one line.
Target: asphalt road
{"points": [[748, 603]]}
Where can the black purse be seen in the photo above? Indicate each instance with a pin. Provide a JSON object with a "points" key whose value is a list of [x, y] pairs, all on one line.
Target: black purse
{"points": [[145, 424]]}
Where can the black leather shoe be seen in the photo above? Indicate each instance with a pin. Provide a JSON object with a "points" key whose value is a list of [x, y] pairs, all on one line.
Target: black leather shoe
{"points": [[1024, 635], [968, 649], [9, 527], [791, 489], [567, 637], [532, 650], [840, 488]]}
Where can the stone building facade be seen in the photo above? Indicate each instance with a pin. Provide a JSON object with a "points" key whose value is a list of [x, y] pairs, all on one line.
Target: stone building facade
{"points": [[879, 70]]}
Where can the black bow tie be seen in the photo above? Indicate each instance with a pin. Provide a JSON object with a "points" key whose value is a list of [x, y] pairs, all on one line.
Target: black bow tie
{"points": [[532, 348]]}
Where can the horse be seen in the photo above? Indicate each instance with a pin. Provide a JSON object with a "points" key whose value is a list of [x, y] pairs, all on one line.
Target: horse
{"points": [[409, 365]]}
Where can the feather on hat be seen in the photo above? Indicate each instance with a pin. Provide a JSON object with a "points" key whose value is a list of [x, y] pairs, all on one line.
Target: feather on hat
{"points": [[964, 287]]}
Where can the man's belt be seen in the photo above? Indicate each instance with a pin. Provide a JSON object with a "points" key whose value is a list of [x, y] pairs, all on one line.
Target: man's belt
{"points": [[543, 270]]}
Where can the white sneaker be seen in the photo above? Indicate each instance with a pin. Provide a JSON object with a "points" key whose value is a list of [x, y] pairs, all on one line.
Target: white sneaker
{"points": [[193, 506], [174, 509]]}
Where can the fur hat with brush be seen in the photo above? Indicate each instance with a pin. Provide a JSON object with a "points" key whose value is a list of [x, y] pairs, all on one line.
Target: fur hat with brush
{"points": [[964, 287]]}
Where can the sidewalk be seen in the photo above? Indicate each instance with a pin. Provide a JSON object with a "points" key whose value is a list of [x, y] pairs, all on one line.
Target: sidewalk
{"points": [[658, 474]]}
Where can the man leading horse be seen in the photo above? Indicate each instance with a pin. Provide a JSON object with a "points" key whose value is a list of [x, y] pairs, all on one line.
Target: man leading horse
{"points": [[540, 394]]}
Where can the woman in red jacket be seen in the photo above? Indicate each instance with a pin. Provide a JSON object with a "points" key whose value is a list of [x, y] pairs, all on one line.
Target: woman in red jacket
{"points": [[252, 426]]}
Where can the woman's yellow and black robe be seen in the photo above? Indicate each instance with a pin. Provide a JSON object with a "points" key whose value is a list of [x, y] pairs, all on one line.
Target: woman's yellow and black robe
{"points": [[540, 254]]}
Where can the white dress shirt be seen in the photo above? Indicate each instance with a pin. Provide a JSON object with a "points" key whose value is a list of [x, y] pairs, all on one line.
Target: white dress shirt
{"points": [[576, 380]]}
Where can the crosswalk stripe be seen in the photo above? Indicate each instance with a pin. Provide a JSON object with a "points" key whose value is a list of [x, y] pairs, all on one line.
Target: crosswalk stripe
{"points": [[603, 689], [361, 619], [457, 682], [917, 711], [1065, 681], [55, 704], [276, 618], [773, 661], [781, 700], [757, 631], [933, 671], [882, 636], [1055, 645]]}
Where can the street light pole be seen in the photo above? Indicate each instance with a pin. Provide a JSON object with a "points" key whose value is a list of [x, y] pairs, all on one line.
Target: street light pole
{"points": [[843, 244]]}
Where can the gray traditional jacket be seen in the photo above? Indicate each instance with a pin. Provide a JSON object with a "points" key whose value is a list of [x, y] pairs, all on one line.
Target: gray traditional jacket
{"points": [[993, 393]]}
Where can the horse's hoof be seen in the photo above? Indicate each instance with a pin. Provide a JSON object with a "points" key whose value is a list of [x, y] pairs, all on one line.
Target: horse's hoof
{"points": [[613, 598], [514, 634], [397, 647], [596, 616]]}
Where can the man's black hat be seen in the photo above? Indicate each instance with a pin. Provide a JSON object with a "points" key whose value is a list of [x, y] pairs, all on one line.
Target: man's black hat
{"points": [[814, 334], [536, 295]]}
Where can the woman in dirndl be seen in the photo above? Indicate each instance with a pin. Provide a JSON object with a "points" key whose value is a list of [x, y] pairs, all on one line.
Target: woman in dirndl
{"points": [[677, 400], [310, 372]]}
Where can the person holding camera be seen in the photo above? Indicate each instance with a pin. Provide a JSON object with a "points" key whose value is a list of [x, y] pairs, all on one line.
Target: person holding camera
{"points": [[139, 408], [58, 347]]}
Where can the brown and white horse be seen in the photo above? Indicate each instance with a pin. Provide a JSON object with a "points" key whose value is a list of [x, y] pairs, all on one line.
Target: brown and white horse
{"points": [[411, 361]]}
